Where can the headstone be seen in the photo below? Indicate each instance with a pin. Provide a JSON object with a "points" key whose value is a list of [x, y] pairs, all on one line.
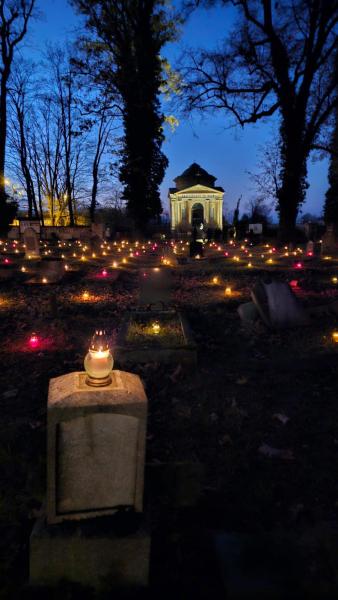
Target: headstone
{"points": [[310, 248], [330, 240], [98, 229], [155, 286], [256, 228], [95, 243], [96, 446], [248, 313], [29, 224], [95, 468], [277, 305], [52, 270], [32, 244]]}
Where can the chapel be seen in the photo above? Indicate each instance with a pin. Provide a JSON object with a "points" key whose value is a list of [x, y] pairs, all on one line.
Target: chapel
{"points": [[195, 200]]}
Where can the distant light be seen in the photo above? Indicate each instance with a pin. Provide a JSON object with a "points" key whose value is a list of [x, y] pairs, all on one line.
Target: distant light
{"points": [[34, 340]]}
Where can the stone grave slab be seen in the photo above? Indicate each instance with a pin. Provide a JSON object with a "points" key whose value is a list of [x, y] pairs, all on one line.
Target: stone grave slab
{"points": [[141, 351], [107, 445], [248, 313], [155, 286], [31, 241], [51, 270], [277, 305], [96, 446], [93, 553]]}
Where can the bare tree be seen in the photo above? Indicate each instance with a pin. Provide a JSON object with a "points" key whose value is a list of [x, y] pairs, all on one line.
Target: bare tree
{"points": [[266, 178], [280, 60], [103, 134], [19, 134], [14, 18]]}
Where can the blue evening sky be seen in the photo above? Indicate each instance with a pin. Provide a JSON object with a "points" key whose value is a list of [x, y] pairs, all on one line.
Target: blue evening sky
{"points": [[226, 153]]}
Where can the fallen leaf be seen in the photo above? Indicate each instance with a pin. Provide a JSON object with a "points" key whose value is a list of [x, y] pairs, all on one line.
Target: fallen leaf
{"points": [[10, 394], [270, 452], [281, 417]]}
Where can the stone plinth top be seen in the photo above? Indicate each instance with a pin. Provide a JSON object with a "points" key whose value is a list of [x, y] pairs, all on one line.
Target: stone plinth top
{"points": [[73, 391]]}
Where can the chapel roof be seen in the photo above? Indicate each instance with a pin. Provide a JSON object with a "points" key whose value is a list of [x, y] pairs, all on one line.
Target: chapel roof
{"points": [[194, 175]]}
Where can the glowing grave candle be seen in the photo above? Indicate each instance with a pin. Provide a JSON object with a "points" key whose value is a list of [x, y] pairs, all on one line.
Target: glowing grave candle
{"points": [[156, 327], [228, 291], [335, 337], [98, 362], [33, 340]]}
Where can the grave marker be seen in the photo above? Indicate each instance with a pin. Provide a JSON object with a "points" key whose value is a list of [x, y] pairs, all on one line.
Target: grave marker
{"points": [[31, 241]]}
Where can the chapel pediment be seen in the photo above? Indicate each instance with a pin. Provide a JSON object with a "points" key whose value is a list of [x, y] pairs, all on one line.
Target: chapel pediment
{"points": [[196, 189]]}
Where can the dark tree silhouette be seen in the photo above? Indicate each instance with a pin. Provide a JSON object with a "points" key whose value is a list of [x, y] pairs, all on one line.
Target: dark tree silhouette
{"points": [[129, 37], [14, 18], [280, 60], [19, 137], [331, 196]]}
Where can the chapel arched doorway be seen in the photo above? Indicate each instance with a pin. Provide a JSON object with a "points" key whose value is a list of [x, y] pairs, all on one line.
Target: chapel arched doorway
{"points": [[197, 214]]}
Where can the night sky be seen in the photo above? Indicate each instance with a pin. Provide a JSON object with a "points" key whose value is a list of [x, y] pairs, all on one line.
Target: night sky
{"points": [[226, 153]]}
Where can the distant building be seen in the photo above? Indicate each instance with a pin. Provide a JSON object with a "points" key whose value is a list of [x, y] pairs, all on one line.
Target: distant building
{"points": [[195, 200]]}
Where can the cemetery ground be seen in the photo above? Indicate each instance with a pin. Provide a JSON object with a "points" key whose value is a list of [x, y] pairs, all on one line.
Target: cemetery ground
{"points": [[242, 449]]}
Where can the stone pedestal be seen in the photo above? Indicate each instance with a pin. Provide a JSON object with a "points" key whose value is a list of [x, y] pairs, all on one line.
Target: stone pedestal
{"points": [[96, 446], [93, 532], [91, 553]]}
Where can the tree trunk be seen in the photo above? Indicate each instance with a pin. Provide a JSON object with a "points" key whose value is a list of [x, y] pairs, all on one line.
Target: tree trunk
{"points": [[293, 185], [3, 134], [94, 195]]}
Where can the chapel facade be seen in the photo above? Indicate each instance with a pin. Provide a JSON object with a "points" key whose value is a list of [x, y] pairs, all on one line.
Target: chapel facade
{"points": [[195, 200]]}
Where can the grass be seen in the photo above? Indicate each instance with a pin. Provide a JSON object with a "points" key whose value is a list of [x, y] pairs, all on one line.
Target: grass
{"points": [[146, 334]]}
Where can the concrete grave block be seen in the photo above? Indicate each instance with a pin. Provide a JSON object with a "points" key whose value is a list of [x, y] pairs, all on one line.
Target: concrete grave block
{"points": [[277, 305], [31, 241], [248, 313], [92, 553], [96, 446]]}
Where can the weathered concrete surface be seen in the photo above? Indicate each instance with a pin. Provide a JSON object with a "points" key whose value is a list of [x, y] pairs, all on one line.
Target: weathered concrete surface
{"points": [[90, 553], [97, 459], [96, 446]]}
